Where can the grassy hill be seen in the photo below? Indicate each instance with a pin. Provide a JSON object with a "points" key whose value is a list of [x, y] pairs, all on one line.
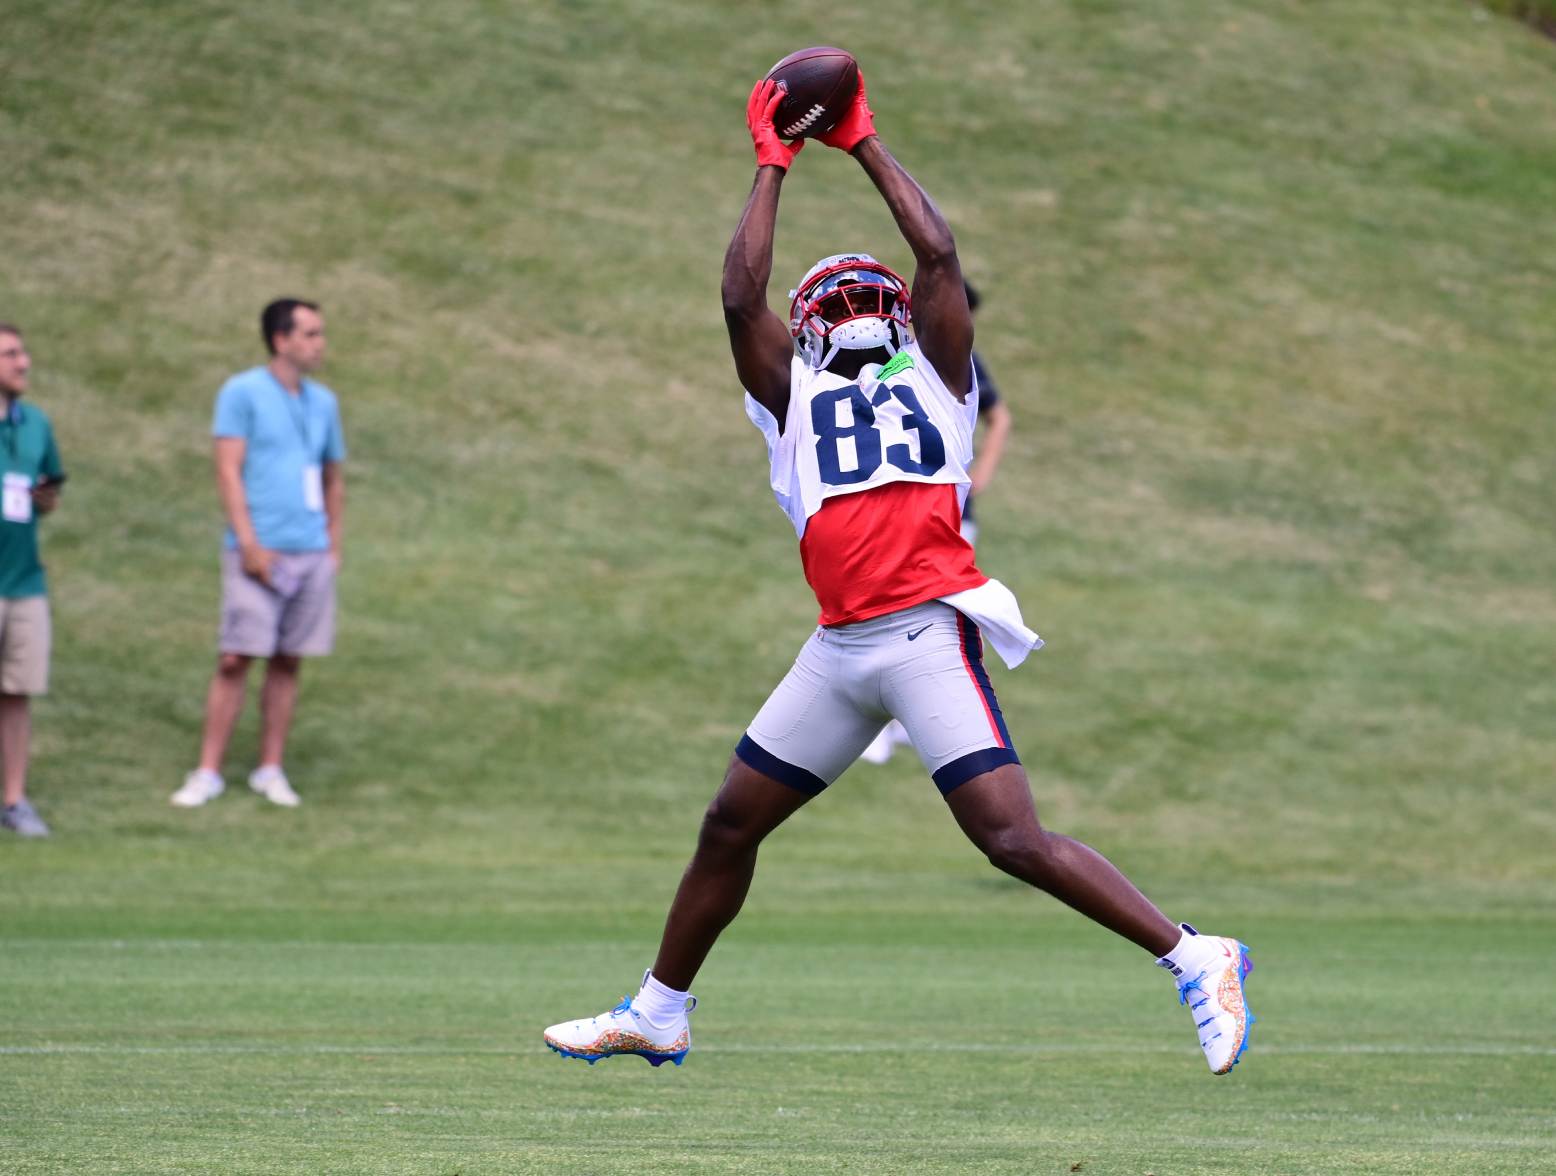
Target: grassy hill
{"points": [[1271, 289]]}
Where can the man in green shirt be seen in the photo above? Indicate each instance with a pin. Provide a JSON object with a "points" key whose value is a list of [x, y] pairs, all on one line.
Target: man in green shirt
{"points": [[30, 478]]}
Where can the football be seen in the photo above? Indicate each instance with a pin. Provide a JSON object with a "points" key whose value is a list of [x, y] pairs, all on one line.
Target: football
{"points": [[818, 84]]}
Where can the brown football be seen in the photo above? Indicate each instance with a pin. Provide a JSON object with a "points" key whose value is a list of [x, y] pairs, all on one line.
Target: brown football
{"points": [[819, 83]]}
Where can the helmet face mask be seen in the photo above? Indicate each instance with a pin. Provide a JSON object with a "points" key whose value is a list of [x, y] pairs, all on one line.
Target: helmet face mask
{"points": [[848, 302]]}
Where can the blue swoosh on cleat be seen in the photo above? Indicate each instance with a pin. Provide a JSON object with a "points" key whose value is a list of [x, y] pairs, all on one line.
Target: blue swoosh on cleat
{"points": [[1246, 967]]}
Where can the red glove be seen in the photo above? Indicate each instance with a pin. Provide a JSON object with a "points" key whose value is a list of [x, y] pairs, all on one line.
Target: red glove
{"points": [[855, 126], [771, 151]]}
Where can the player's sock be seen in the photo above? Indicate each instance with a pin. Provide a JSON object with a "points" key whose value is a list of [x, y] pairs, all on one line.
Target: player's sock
{"points": [[1190, 955], [661, 1004]]}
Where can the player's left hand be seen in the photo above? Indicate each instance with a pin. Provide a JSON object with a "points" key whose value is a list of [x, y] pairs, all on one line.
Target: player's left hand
{"points": [[771, 151], [45, 497], [857, 125]]}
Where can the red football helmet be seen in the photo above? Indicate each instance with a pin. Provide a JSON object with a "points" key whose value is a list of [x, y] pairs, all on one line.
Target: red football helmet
{"points": [[848, 301]]}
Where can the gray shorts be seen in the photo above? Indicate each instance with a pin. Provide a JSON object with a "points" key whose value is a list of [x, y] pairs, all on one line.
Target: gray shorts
{"points": [[295, 616], [922, 666]]}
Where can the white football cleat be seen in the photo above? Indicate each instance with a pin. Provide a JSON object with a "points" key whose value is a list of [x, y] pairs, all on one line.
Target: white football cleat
{"points": [[624, 1030], [882, 746], [1214, 993], [200, 786], [271, 783]]}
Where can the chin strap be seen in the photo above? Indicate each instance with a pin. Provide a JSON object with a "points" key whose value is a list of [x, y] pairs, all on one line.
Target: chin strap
{"points": [[890, 346]]}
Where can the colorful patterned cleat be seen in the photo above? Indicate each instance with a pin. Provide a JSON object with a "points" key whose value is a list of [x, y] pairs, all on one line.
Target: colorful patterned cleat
{"points": [[1214, 995], [623, 1030]]}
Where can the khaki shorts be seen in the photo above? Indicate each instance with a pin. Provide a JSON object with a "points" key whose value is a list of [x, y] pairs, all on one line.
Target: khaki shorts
{"points": [[296, 617], [25, 633]]}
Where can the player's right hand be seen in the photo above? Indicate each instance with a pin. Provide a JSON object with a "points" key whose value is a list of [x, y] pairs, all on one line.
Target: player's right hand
{"points": [[856, 125], [771, 151]]}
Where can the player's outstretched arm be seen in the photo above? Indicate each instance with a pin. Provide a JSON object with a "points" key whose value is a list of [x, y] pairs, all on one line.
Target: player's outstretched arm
{"points": [[941, 320], [759, 339]]}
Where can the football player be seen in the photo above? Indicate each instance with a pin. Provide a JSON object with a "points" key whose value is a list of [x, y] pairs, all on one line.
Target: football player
{"points": [[867, 399]]}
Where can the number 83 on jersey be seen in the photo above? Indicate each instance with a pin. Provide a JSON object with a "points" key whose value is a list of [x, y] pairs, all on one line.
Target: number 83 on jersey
{"points": [[856, 432]]}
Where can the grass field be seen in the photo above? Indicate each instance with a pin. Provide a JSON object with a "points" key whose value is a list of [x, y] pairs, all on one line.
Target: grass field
{"points": [[1271, 288]]}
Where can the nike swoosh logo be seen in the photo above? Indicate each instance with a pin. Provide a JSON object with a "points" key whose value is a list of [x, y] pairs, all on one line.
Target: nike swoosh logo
{"points": [[920, 633]]}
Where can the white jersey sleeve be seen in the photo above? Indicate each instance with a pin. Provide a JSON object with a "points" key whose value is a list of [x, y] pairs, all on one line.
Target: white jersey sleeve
{"points": [[896, 422]]}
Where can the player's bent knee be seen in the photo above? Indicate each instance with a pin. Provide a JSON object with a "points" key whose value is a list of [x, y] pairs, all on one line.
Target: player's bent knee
{"points": [[1018, 851], [742, 813], [723, 830]]}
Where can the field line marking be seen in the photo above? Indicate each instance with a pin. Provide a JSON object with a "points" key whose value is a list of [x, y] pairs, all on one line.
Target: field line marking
{"points": [[1387, 1049]]}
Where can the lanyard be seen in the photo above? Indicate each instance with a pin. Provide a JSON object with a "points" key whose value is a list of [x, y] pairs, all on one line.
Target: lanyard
{"points": [[297, 409], [12, 422]]}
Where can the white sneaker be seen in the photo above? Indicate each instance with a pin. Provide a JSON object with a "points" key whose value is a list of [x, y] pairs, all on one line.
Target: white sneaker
{"points": [[271, 783], [199, 786], [624, 1030], [1213, 989], [23, 820], [882, 745]]}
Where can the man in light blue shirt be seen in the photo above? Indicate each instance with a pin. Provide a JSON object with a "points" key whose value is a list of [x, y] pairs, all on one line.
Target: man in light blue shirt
{"points": [[279, 452]]}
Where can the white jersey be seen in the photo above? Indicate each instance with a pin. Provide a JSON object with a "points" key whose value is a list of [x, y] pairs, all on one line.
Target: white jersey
{"points": [[896, 422]]}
